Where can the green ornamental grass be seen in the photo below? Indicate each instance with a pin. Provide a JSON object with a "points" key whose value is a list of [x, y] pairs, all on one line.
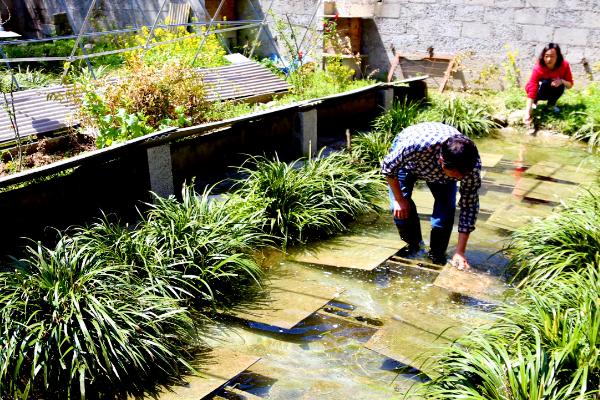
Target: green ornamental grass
{"points": [[75, 326], [308, 198], [211, 241], [545, 343], [567, 240]]}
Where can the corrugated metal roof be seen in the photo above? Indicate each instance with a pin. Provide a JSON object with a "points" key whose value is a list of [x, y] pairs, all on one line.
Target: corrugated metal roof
{"points": [[38, 115]]}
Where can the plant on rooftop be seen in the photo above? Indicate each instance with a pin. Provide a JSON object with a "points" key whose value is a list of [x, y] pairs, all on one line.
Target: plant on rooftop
{"points": [[308, 197], [212, 53], [75, 325], [150, 98]]}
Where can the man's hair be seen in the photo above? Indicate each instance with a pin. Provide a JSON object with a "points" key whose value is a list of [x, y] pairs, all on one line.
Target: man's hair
{"points": [[559, 56], [460, 153]]}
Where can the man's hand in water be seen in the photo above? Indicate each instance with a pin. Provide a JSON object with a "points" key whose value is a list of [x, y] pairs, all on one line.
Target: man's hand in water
{"points": [[459, 261]]}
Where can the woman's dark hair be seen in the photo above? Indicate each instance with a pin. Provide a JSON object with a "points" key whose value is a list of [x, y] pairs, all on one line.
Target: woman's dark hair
{"points": [[559, 56], [460, 153]]}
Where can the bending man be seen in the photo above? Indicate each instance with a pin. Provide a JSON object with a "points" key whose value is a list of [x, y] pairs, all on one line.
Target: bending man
{"points": [[441, 156]]}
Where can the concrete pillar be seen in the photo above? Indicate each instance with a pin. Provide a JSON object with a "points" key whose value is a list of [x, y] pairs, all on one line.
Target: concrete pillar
{"points": [[306, 131], [160, 170], [385, 98]]}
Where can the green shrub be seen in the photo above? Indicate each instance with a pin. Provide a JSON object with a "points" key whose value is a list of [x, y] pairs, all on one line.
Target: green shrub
{"points": [[369, 148], [74, 325], [149, 99], [545, 342], [308, 197], [400, 116], [544, 346]]}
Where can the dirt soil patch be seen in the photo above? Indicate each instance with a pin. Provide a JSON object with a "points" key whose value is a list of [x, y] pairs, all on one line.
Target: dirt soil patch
{"points": [[46, 151]]}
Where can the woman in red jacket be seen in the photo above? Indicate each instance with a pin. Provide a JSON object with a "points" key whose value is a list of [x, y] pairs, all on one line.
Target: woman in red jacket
{"points": [[548, 81]]}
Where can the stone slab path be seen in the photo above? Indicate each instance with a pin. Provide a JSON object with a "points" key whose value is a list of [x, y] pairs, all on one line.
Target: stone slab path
{"points": [[287, 302], [223, 366], [562, 172], [489, 160], [350, 251], [478, 285], [514, 216]]}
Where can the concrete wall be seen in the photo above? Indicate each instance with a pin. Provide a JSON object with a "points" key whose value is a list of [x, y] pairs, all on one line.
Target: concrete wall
{"points": [[118, 179], [484, 27]]}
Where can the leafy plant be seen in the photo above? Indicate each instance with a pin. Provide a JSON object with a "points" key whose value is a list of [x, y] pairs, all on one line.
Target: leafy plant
{"points": [[512, 73], [401, 115], [150, 98], [74, 325], [589, 131], [180, 45], [308, 197], [9, 107]]}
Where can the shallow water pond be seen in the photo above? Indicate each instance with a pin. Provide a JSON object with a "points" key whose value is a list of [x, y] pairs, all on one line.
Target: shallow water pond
{"points": [[325, 356]]}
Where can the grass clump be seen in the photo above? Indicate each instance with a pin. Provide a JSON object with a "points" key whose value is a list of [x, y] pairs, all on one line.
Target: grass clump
{"points": [[75, 326], [211, 242], [308, 197], [545, 344], [567, 240], [469, 116]]}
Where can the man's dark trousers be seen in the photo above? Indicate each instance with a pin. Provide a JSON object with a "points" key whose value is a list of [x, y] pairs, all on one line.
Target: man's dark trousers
{"points": [[442, 218]]}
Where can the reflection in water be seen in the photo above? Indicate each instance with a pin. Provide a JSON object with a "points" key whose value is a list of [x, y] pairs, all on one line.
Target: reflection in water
{"points": [[324, 356]]}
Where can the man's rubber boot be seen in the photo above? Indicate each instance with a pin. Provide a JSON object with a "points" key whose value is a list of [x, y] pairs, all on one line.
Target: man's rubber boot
{"points": [[438, 245], [411, 234]]}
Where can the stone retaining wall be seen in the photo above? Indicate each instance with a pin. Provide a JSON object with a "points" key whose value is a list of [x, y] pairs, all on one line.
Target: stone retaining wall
{"points": [[484, 27]]}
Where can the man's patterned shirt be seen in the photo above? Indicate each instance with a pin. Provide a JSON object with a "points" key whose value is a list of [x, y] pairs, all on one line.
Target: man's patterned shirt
{"points": [[417, 150]]}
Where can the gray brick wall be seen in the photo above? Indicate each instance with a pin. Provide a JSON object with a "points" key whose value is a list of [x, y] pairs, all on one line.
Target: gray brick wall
{"points": [[484, 27]]}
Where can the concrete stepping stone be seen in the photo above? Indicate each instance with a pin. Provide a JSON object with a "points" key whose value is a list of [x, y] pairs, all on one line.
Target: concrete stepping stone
{"points": [[410, 345], [222, 366], [489, 160], [562, 172], [477, 285], [544, 190], [288, 302], [362, 252], [514, 216]]}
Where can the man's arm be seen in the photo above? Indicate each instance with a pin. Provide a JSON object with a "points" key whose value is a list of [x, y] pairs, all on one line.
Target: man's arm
{"points": [[459, 260], [469, 209], [401, 205]]}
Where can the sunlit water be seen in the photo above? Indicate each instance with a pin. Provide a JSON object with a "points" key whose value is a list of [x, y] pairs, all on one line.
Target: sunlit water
{"points": [[324, 358]]}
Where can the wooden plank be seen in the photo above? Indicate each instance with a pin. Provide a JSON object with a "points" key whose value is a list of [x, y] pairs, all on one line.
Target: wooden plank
{"points": [[287, 302], [447, 75], [224, 365], [489, 160], [351, 251], [474, 284]]}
